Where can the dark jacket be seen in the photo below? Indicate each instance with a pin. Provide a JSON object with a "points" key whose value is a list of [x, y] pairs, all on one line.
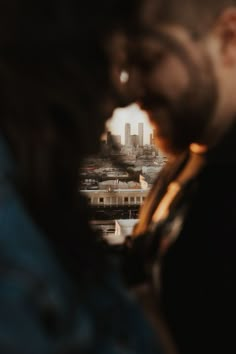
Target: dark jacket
{"points": [[42, 310], [196, 283]]}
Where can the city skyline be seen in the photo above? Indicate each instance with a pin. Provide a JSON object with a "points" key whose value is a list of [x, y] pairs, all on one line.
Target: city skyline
{"points": [[134, 116]]}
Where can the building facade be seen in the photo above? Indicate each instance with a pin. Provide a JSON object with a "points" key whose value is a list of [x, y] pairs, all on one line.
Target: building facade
{"points": [[140, 134], [127, 134], [108, 198]]}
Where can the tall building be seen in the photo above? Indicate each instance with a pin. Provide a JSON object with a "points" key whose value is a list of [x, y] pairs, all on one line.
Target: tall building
{"points": [[127, 134], [151, 139], [109, 139], [117, 139], [134, 140], [140, 133]]}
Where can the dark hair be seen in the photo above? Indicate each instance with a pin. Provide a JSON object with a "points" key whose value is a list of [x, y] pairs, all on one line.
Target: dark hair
{"points": [[53, 75]]}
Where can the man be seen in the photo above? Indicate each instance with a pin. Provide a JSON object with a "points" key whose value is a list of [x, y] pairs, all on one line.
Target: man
{"points": [[185, 57]]}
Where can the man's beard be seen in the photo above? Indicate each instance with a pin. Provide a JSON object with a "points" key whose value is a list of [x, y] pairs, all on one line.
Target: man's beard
{"points": [[187, 119]]}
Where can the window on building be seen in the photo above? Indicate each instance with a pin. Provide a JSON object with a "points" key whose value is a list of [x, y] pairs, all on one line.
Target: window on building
{"points": [[101, 200], [131, 199], [120, 201], [126, 199]]}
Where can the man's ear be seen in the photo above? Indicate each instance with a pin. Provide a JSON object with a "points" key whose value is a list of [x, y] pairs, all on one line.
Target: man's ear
{"points": [[225, 29]]}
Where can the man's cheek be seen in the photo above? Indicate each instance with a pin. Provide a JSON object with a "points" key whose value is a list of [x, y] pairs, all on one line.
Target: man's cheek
{"points": [[170, 79]]}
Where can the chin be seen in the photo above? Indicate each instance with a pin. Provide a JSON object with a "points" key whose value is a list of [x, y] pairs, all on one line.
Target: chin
{"points": [[167, 147]]}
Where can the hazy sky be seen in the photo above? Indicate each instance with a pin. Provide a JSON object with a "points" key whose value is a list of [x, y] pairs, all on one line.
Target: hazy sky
{"points": [[132, 115]]}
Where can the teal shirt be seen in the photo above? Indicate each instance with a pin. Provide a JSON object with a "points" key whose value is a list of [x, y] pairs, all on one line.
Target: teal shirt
{"points": [[40, 311]]}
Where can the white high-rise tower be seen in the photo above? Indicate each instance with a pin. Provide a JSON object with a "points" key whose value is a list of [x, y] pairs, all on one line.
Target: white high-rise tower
{"points": [[127, 134], [140, 133]]}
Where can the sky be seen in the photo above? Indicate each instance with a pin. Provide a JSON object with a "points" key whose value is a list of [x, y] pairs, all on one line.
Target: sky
{"points": [[132, 115]]}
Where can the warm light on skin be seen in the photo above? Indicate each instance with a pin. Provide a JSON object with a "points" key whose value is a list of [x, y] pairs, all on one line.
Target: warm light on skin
{"points": [[133, 115], [198, 149]]}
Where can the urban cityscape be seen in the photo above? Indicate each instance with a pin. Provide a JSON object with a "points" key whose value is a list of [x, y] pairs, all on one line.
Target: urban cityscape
{"points": [[117, 180]]}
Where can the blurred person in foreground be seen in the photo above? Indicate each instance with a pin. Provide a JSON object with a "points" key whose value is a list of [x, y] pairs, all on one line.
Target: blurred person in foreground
{"points": [[59, 292], [184, 61]]}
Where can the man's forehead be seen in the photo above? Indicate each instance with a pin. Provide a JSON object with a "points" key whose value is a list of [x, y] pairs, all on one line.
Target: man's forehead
{"points": [[164, 10], [149, 11], [191, 14]]}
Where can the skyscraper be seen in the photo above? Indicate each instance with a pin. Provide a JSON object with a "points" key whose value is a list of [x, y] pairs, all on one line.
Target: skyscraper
{"points": [[117, 139], [127, 134], [151, 139], [109, 139], [134, 139], [140, 133]]}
